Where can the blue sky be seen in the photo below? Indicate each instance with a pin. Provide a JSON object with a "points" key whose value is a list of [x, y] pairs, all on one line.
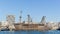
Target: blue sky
{"points": [[36, 9]]}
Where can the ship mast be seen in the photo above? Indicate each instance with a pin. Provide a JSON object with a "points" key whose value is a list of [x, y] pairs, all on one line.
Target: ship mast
{"points": [[29, 19], [43, 20], [20, 16], [11, 21]]}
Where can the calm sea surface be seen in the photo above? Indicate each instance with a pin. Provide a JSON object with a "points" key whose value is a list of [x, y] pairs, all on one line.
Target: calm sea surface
{"points": [[31, 32]]}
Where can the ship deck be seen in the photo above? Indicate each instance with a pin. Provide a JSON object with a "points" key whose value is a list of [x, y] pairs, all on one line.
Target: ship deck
{"points": [[31, 27]]}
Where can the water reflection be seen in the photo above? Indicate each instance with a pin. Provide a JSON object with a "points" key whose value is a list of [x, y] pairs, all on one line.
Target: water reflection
{"points": [[30, 32]]}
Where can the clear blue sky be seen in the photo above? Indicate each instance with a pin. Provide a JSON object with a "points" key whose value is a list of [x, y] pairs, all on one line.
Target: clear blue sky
{"points": [[36, 9]]}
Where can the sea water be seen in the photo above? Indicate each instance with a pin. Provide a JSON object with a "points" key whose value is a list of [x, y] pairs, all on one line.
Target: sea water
{"points": [[31, 32]]}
